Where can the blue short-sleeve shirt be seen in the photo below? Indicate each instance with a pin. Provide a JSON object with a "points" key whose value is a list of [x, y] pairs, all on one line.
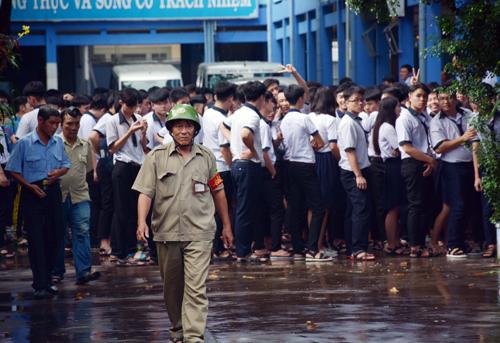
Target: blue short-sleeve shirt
{"points": [[34, 160]]}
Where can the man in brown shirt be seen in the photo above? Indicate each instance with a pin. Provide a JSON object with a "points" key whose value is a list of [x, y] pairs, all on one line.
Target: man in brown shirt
{"points": [[76, 199], [182, 177]]}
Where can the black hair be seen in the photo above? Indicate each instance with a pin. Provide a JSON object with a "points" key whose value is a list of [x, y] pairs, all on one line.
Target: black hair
{"points": [[36, 89], [421, 86], [341, 88], [403, 89], [53, 92], [144, 94], [80, 100], [386, 114], [353, 90], [381, 87], [390, 78], [53, 100], [373, 95], [210, 104], [116, 104], [324, 102], [18, 101], [192, 88], [268, 96], [47, 111], [345, 80], [198, 99], [206, 90], [152, 89], [160, 94], [312, 93], [333, 88], [393, 91], [293, 93], [72, 112], [268, 82], [99, 101], [407, 67], [224, 90], [99, 90], [178, 93], [240, 94], [314, 84], [129, 96], [432, 86], [112, 96], [254, 90], [447, 85]]}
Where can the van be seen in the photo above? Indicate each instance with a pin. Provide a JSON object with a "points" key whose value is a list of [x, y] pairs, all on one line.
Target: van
{"points": [[145, 76], [210, 73]]}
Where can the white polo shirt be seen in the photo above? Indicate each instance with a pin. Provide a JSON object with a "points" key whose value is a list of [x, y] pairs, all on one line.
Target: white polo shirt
{"points": [[369, 124], [116, 127], [266, 137], [155, 124], [327, 126], [297, 129], [492, 125], [4, 158], [352, 136], [412, 128], [247, 116], [446, 128], [87, 124], [387, 141], [167, 138], [275, 130], [28, 123], [213, 137], [100, 127]]}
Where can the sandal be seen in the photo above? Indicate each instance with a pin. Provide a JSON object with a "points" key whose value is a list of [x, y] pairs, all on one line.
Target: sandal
{"points": [[456, 253], [280, 255], [113, 258], [399, 251], [341, 248], [129, 261], [22, 242], [366, 257], [153, 263], [105, 252], [6, 255], [142, 257], [254, 259], [218, 257], [470, 251], [434, 250], [490, 251], [311, 257], [57, 279], [378, 245]]}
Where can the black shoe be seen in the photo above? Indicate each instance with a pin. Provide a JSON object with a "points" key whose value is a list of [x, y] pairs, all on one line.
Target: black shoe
{"points": [[88, 277], [52, 289], [39, 294]]}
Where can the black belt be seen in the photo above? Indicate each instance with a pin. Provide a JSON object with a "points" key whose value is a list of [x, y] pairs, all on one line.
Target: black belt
{"points": [[44, 184], [131, 163], [376, 159], [245, 161], [302, 164]]}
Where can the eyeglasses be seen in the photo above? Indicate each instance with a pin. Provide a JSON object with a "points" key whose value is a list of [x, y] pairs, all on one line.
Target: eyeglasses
{"points": [[357, 101]]}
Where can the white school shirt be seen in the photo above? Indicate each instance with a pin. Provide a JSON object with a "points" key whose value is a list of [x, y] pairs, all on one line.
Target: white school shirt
{"points": [[327, 126], [445, 128], [167, 138], [213, 137], [352, 136], [387, 141], [247, 116], [116, 127], [493, 125], [100, 127], [29, 122], [266, 138], [4, 157], [199, 138], [155, 124], [297, 129], [369, 125], [87, 124], [411, 128], [275, 131]]}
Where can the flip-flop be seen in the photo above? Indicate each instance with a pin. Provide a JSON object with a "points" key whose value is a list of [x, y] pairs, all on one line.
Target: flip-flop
{"points": [[218, 258], [366, 257], [105, 252], [7, 255], [142, 257]]}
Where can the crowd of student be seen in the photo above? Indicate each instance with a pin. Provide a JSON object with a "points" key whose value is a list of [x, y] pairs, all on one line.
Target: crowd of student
{"points": [[324, 168]]}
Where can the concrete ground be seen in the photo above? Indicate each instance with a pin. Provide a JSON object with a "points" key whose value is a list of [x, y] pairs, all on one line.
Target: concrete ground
{"points": [[395, 299]]}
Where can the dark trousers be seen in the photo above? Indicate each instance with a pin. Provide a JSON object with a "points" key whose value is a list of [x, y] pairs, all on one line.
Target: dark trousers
{"points": [[153, 252], [420, 198], [4, 212], [246, 178], [124, 175], [281, 167], [227, 180], [95, 209], [459, 180], [107, 203], [45, 230], [271, 211], [490, 232], [304, 185], [377, 172], [358, 211]]}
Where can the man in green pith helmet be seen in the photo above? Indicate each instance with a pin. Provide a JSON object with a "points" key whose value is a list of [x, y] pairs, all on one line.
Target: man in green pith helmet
{"points": [[183, 179]]}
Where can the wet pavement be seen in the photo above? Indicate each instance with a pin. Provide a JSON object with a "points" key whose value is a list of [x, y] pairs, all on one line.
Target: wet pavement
{"points": [[395, 299]]}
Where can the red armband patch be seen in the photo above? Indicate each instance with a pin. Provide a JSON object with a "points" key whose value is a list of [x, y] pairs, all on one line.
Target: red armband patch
{"points": [[215, 181]]}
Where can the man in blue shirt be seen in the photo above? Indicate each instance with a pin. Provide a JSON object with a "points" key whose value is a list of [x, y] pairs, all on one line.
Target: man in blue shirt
{"points": [[37, 163]]}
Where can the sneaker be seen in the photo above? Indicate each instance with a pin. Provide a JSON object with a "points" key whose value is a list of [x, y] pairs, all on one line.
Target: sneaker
{"points": [[330, 252]]}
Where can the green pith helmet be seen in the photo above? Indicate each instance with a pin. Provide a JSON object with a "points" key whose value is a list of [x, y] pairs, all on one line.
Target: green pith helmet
{"points": [[183, 112]]}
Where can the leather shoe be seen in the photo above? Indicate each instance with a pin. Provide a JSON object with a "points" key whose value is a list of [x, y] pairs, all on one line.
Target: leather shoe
{"points": [[88, 277], [52, 289], [39, 294]]}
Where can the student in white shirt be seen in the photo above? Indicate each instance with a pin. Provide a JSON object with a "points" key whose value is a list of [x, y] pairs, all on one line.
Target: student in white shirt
{"points": [[297, 128], [339, 97], [448, 133], [417, 167], [242, 130], [178, 96], [405, 74], [385, 144], [198, 102], [161, 105], [35, 94], [355, 174], [327, 165], [81, 102]]}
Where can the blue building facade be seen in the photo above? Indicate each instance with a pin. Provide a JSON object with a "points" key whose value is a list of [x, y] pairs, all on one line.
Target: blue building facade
{"points": [[323, 39]]}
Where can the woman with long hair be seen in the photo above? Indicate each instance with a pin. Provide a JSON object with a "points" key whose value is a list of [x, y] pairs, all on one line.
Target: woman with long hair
{"points": [[385, 143]]}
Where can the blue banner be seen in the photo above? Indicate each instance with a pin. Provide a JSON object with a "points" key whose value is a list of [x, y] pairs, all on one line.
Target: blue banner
{"points": [[72, 10]]}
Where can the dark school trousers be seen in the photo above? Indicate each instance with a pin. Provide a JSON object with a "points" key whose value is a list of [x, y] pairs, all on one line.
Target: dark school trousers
{"points": [[247, 178], [459, 181], [44, 226], [420, 198], [358, 211], [304, 185], [490, 232], [227, 181], [270, 210], [95, 208], [377, 172], [4, 212], [126, 198]]}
